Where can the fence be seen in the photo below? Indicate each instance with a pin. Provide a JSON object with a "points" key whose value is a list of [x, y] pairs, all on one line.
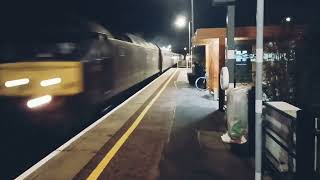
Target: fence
{"points": [[308, 133], [290, 139]]}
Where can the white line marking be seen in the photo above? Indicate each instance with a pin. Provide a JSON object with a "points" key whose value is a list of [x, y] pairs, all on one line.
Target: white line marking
{"points": [[259, 55], [258, 106], [258, 176], [68, 143], [231, 54]]}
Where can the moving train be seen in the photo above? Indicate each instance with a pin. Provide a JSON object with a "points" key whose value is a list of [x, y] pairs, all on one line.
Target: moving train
{"points": [[60, 72]]}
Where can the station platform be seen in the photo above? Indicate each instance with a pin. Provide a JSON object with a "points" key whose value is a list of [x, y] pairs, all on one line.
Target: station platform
{"points": [[168, 130]]}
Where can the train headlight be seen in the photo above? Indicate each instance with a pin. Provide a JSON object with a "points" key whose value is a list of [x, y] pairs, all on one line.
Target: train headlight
{"points": [[40, 101], [17, 82], [50, 82]]}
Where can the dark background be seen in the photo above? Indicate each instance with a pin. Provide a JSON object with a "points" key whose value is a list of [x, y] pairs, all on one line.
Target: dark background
{"points": [[153, 19]]}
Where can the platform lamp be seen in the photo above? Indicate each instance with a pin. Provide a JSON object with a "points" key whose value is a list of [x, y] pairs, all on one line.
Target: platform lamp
{"points": [[180, 23], [191, 28]]}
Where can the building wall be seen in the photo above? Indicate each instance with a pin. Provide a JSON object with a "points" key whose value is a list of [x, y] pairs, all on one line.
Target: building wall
{"points": [[212, 65]]}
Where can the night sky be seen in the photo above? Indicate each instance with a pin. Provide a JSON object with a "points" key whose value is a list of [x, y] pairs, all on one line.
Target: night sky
{"points": [[153, 19]]}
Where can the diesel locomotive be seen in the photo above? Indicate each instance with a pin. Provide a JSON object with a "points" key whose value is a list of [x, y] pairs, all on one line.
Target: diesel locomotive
{"points": [[60, 72]]}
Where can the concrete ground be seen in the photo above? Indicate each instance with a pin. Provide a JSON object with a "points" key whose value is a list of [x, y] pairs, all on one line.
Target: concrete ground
{"points": [[178, 138], [194, 149]]}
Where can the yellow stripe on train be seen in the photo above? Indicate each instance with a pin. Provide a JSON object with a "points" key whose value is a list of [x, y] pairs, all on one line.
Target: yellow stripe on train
{"points": [[41, 78]]}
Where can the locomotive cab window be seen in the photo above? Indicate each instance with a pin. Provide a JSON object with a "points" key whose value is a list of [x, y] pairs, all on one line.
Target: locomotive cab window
{"points": [[45, 47]]}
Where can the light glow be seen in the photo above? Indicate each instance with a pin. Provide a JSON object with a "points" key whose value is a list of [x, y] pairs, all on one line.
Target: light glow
{"points": [[167, 48], [288, 19], [181, 22], [18, 82], [34, 103], [50, 82]]}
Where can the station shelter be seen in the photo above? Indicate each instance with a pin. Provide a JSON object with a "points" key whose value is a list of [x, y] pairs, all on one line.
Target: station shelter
{"points": [[214, 41]]}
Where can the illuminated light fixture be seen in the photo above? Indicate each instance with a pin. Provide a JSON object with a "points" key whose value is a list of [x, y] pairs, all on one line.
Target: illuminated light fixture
{"points": [[18, 82], [181, 22], [288, 19], [50, 82], [33, 103]]}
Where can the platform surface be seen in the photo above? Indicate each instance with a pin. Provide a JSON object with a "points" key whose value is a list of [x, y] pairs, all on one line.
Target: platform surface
{"points": [[169, 130]]}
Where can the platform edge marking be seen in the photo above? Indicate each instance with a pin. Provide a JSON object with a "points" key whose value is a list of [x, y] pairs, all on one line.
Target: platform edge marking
{"points": [[105, 161], [54, 153]]}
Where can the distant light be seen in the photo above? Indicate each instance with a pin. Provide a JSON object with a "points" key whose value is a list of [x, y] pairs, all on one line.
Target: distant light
{"points": [[33, 103], [181, 22], [185, 48], [167, 48], [288, 19], [18, 82], [50, 82]]}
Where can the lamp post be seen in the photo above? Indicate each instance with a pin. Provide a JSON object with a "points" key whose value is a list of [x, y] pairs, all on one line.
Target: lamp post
{"points": [[180, 23], [190, 46], [259, 71], [192, 32], [192, 18]]}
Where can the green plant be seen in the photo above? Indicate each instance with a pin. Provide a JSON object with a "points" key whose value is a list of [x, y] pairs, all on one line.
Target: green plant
{"points": [[279, 71]]}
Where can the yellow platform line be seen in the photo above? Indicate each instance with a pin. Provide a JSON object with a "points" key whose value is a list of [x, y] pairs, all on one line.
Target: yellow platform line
{"points": [[105, 161]]}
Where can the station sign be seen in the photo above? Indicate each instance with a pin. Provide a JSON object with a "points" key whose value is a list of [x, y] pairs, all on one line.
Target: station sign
{"points": [[223, 2]]}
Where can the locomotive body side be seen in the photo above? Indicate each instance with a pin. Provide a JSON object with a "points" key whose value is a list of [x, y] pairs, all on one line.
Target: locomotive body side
{"points": [[132, 64]]}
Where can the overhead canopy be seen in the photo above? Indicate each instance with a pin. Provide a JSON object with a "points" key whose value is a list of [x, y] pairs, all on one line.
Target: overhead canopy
{"points": [[204, 35]]}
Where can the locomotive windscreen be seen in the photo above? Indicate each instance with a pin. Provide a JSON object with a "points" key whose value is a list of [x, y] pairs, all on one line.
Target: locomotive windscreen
{"points": [[57, 46]]}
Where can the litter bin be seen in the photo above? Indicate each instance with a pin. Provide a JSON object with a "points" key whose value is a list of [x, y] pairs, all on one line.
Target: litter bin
{"points": [[237, 115]]}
